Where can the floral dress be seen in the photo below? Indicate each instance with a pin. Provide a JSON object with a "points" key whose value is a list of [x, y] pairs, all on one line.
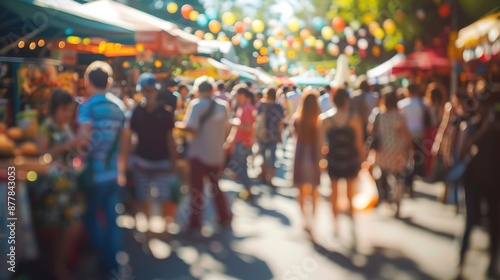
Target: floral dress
{"points": [[58, 202], [393, 156]]}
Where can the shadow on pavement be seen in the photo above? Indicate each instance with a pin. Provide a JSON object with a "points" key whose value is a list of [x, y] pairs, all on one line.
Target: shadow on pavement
{"points": [[381, 264], [410, 222], [199, 257]]}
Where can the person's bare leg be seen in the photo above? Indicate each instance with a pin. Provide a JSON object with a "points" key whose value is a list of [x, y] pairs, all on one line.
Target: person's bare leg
{"points": [[351, 191], [302, 203], [398, 195], [335, 209], [315, 200]]}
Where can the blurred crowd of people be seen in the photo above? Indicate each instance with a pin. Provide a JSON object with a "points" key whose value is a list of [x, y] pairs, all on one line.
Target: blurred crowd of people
{"points": [[149, 147]]}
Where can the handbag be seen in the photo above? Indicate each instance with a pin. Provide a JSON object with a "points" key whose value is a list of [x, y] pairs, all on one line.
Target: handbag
{"points": [[373, 141]]}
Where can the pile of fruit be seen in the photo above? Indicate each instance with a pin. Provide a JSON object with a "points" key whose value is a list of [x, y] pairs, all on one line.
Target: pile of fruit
{"points": [[13, 143]]}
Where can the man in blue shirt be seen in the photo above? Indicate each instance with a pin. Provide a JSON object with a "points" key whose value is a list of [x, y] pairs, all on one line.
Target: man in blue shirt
{"points": [[101, 120]]}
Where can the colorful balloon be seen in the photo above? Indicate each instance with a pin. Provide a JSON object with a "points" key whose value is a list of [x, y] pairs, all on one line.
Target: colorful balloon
{"points": [[291, 54], [244, 43], [379, 33], [376, 51], [202, 20], [264, 51], [228, 18], [400, 48], [236, 40], [444, 10], [296, 45], [333, 49], [209, 36], [186, 11], [389, 26], [304, 34], [248, 36], [199, 33], [258, 26], [257, 44], [239, 27], [293, 25], [318, 23], [327, 32], [311, 41], [351, 40], [362, 44], [214, 26], [194, 15], [319, 44], [355, 25], [290, 39], [368, 18], [279, 33], [211, 14], [271, 41], [338, 24], [172, 7]]}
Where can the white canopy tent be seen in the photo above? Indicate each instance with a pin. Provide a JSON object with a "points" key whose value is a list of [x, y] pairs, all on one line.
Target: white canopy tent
{"points": [[382, 73]]}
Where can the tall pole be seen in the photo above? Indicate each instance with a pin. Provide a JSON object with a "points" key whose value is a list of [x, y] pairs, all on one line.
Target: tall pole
{"points": [[452, 38]]}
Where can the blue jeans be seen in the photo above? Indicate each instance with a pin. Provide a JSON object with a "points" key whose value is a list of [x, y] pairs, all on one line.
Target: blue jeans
{"points": [[268, 152], [104, 233], [239, 165]]}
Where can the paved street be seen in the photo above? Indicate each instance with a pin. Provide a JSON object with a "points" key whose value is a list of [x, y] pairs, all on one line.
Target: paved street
{"points": [[267, 241]]}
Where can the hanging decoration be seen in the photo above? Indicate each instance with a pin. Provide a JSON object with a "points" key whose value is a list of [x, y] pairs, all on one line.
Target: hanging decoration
{"points": [[186, 11]]}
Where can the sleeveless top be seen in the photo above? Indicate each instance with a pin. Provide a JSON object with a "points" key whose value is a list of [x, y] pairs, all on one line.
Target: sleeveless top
{"points": [[343, 156]]}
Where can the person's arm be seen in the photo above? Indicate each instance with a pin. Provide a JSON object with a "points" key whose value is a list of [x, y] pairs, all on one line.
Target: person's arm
{"points": [[125, 144], [358, 130], [172, 151], [438, 140], [190, 122]]}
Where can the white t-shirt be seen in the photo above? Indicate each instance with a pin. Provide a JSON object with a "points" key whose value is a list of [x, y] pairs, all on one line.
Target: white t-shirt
{"points": [[412, 109], [293, 98], [325, 103], [207, 144]]}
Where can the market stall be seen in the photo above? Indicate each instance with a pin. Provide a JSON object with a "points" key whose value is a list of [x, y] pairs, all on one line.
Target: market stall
{"points": [[205, 66], [382, 73], [423, 60]]}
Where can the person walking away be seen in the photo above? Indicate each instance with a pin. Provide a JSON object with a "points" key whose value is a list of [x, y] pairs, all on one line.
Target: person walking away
{"points": [[293, 100], [221, 91], [241, 147], [207, 119], [394, 151], [325, 101], [344, 134], [417, 119], [306, 170], [481, 176], [435, 98], [269, 126], [170, 96], [155, 154], [58, 203], [363, 101], [102, 121]]}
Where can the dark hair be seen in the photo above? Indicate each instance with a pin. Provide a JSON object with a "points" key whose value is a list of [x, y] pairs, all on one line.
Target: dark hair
{"points": [[414, 90], [59, 98], [328, 88], [362, 84], [98, 74], [220, 86], [249, 84], [294, 88], [271, 94], [390, 97], [286, 90], [436, 96], [245, 91], [205, 87], [341, 98], [182, 87]]}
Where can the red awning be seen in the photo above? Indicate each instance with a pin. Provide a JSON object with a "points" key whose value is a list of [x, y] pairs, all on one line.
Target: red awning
{"points": [[426, 59]]}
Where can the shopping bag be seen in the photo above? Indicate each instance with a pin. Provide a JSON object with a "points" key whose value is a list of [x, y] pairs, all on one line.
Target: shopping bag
{"points": [[366, 196]]}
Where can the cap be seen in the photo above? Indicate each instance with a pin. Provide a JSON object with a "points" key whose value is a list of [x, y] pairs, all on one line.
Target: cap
{"points": [[172, 82], [147, 80]]}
